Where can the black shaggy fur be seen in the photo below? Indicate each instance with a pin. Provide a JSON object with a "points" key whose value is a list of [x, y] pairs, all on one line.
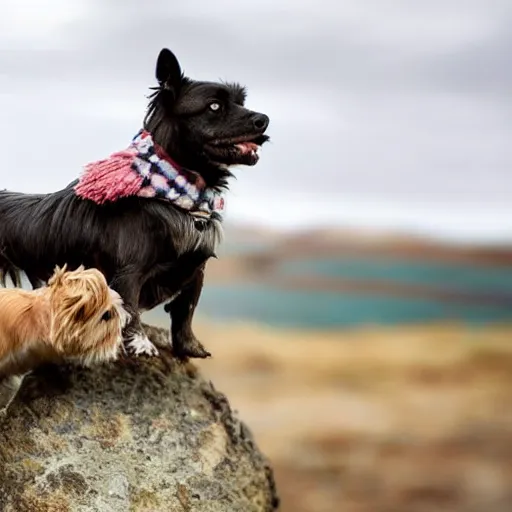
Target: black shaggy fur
{"points": [[150, 251]]}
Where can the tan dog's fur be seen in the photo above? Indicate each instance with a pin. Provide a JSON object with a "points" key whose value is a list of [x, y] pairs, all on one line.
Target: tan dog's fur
{"points": [[63, 321]]}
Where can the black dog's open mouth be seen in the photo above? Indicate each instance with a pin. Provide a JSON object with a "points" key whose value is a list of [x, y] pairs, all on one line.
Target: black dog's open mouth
{"points": [[237, 150]]}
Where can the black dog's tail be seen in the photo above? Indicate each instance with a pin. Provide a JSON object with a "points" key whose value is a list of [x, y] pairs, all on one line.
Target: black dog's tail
{"points": [[32, 233], [7, 269], [15, 216]]}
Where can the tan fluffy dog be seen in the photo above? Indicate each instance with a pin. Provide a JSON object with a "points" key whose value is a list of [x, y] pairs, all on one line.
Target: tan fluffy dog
{"points": [[76, 318]]}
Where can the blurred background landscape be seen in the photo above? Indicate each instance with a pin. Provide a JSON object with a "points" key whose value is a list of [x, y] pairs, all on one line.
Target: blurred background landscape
{"points": [[360, 311], [375, 370]]}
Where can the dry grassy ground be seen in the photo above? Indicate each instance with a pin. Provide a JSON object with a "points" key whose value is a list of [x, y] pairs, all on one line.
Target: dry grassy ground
{"points": [[385, 420]]}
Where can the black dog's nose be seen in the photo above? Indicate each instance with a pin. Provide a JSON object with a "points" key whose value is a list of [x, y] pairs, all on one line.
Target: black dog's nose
{"points": [[260, 122]]}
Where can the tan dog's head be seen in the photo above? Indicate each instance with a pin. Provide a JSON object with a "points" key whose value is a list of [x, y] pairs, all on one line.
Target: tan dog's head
{"points": [[87, 317]]}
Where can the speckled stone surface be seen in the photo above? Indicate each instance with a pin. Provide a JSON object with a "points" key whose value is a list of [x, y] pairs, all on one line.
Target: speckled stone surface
{"points": [[145, 435]]}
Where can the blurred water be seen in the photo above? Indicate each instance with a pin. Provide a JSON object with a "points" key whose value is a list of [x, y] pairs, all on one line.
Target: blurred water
{"points": [[318, 309]]}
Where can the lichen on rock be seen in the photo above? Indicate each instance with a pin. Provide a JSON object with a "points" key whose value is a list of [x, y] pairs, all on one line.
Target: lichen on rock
{"points": [[139, 435]]}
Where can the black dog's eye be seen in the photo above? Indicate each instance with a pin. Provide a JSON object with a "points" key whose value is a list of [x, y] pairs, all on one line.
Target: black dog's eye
{"points": [[106, 316], [215, 106]]}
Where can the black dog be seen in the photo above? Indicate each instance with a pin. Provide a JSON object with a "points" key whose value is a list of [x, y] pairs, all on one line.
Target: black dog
{"points": [[150, 250]]}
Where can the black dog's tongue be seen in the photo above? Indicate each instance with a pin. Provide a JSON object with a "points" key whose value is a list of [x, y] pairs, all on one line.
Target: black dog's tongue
{"points": [[246, 147]]}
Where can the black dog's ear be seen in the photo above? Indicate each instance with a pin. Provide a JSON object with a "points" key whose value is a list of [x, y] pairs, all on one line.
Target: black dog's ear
{"points": [[168, 71]]}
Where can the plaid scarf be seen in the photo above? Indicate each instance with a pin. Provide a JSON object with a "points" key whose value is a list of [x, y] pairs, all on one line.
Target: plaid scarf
{"points": [[144, 169]]}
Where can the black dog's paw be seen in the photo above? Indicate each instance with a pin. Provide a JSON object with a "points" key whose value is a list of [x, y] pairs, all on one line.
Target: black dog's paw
{"points": [[186, 347], [139, 344]]}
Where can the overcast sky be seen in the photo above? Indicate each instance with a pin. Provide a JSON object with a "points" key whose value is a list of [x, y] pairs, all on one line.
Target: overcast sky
{"points": [[384, 113]]}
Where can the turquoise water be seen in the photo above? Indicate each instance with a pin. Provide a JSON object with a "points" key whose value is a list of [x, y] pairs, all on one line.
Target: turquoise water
{"points": [[443, 275], [266, 304], [315, 309]]}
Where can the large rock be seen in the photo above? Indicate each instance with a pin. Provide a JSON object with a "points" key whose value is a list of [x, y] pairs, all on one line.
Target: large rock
{"points": [[145, 435]]}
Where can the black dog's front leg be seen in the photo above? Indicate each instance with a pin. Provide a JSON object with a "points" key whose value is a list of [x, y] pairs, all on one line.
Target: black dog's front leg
{"points": [[181, 309], [136, 340]]}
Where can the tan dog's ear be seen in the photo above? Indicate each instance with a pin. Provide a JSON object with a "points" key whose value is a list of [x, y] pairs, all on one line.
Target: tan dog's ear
{"points": [[80, 314], [57, 276]]}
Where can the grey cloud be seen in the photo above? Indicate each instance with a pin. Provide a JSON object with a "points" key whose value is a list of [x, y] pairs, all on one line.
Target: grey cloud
{"points": [[121, 43], [393, 101]]}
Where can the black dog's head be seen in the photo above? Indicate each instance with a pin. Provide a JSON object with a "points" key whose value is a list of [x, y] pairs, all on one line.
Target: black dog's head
{"points": [[203, 126]]}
